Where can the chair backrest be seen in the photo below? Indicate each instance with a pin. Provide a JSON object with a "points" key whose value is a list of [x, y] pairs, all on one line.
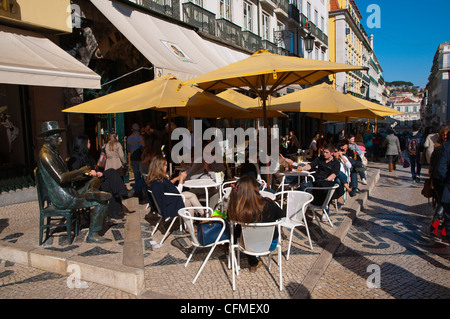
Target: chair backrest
{"points": [[42, 193], [257, 237], [153, 203], [297, 202], [330, 192], [189, 220], [267, 194]]}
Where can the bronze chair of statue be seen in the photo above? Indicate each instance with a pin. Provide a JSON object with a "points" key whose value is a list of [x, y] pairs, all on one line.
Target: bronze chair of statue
{"points": [[50, 217]]}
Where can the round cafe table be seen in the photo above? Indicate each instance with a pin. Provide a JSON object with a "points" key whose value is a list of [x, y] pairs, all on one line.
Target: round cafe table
{"points": [[203, 183], [296, 173]]}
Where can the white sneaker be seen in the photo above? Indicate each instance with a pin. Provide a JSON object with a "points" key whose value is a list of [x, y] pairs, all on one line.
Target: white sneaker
{"points": [[363, 181]]}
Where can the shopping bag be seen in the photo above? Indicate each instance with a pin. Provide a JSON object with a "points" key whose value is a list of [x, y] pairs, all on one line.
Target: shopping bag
{"points": [[405, 161], [102, 159]]}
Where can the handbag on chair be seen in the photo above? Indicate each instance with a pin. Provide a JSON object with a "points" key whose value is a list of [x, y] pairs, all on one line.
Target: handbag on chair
{"points": [[208, 231]]}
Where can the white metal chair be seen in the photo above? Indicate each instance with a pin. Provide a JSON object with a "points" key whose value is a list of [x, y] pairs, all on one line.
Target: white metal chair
{"points": [[255, 240], [267, 194], [157, 210], [296, 204], [225, 190], [188, 220], [325, 206]]}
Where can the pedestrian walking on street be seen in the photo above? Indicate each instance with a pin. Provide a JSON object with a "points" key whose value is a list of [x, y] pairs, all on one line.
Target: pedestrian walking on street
{"points": [[393, 150], [414, 146]]}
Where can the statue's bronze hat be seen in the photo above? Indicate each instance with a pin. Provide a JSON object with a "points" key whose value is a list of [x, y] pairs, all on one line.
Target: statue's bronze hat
{"points": [[49, 128]]}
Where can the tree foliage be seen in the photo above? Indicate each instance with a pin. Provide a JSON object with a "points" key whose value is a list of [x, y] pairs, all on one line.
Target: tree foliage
{"points": [[399, 83]]}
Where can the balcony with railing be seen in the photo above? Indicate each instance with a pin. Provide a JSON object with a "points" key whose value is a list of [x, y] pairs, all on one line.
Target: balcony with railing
{"points": [[170, 8], [282, 9], [251, 41], [308, 26], [294, 13], [228, 32], [267, 45], [201, 18]]}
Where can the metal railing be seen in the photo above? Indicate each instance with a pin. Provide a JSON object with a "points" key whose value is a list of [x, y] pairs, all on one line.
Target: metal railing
{"points": [[228, 31], [201, 18], [251, 41]]}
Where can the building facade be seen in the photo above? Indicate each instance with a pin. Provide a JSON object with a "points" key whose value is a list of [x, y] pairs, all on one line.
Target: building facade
{"points": [[434, 109], [349, 43], [411, 109]]}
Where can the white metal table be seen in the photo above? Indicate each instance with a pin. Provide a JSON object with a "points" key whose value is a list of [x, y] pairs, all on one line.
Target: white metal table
{"points": [[203, 183]]}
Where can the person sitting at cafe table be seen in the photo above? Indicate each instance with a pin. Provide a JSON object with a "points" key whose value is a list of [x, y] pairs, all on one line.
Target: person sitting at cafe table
{"points": [[158, 182], [356, 162], [206, 168], [284, 165], [326, 169], [345, 166], [248, 206]]}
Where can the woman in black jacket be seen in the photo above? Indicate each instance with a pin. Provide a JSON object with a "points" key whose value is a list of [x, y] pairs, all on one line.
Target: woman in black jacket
{"points": [[248, 206], [109, 180]]}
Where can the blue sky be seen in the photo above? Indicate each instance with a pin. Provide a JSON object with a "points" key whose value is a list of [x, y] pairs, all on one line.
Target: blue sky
{"points": [[408, 36]]}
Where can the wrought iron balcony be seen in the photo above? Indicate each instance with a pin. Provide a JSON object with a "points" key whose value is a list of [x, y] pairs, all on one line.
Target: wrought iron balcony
{"points": [[201, 18], [228, 31], [272, 47], [251, 41], [294, 14], [283, 5], [166, 7]]}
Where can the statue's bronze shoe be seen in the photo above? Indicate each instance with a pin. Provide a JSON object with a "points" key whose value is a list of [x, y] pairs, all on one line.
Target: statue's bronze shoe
{"points": [[97, 239]]}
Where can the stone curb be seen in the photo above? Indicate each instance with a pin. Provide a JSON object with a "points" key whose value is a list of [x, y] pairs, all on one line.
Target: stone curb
{"points": [[321, 264]]}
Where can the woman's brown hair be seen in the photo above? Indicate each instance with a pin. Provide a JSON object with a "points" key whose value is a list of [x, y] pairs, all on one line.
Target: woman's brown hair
{"points": [[156, 169], [246, 203], [442, 136], [112, 142]]}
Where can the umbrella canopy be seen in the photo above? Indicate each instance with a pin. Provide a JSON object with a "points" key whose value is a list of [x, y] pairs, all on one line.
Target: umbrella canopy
{"points": [[265, 73], [323, 98], [325, 103], [250, 104], [377, 108], [162, 94]]}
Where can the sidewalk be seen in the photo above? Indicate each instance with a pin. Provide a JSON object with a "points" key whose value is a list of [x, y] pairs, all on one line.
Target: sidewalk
{"points": [[390, 238], [131, 266]]}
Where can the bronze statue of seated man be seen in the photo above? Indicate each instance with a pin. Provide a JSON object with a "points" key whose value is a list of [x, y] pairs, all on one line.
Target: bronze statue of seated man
{"points": [[53, 174]]}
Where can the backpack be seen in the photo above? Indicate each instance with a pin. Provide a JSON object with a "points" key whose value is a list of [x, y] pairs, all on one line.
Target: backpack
{"points": [[413, 145]]}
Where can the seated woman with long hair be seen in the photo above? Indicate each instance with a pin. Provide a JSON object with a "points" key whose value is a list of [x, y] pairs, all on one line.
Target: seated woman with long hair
{"points": [[159, 183], [247, 206]]}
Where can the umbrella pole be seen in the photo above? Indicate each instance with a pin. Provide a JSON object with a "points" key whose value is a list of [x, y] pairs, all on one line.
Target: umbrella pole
{"points": [[266, 126], [321, 124], [169, 149]]}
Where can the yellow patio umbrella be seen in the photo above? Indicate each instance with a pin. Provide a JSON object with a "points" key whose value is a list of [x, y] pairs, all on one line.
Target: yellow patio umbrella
{"points": [[248, 103], [162, 94], [327, 104], [265, 73], [377, 108]]}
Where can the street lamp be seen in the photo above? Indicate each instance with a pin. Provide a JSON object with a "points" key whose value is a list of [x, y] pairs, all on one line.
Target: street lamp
{"points": [[309, 43]]}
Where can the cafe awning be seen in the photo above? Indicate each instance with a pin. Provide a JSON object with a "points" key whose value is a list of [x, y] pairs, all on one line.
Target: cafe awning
{"points": [[28, 58], [170, 47]]}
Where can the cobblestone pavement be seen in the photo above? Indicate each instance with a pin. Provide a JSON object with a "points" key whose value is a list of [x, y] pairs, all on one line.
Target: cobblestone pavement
{"points": [[391, 234], [390, 238]]}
